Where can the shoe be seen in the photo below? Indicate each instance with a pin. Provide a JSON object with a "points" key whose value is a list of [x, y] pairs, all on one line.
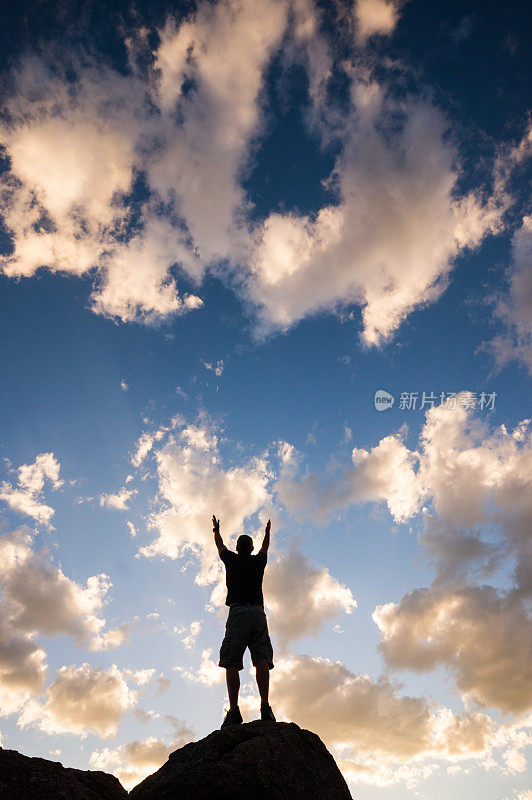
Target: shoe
{"points": [[266, 713], [233, 717]]}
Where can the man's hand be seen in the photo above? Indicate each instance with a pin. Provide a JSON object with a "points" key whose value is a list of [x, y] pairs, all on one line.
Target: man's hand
{"points": [[218, 541], [266, 540]]}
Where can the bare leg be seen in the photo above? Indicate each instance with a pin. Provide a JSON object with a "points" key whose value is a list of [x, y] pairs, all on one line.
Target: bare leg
{"points": [[262, 673], [233, 685]]}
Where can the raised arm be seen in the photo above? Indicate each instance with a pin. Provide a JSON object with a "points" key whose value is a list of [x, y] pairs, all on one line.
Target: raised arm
{"points": [[218, 541], [266, 540]]}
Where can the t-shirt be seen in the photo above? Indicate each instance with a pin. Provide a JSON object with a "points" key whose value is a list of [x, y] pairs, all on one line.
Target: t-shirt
{"points": [[243, 577]]}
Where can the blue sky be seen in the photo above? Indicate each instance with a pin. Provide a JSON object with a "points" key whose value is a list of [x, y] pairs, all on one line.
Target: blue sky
{"points": [[225, 227]]}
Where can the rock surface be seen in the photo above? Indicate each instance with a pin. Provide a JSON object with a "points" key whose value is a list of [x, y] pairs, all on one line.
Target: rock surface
{"points": [[254, 761], [25, 778]]}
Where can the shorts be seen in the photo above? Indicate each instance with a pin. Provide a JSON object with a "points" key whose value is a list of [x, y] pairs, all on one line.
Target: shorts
{"points": [[246, 626]]}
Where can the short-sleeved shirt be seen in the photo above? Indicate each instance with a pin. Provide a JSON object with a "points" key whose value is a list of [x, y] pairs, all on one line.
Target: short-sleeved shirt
{"points": [[243, 577]]}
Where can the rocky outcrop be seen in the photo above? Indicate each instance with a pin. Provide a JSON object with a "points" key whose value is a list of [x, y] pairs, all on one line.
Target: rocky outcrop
{"points": [[254, 761], [24, 778]]}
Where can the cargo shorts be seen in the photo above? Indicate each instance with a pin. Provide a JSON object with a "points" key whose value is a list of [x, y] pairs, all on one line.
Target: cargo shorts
{"points": [[246, 626]]}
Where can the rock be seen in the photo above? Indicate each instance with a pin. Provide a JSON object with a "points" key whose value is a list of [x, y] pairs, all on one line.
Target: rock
{"points": [[25, 778], [254, 761]]}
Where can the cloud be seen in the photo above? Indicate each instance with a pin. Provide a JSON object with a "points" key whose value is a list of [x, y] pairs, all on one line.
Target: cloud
{"points": [[390, 238], [374, 17], [217, 368], [74, 148], [484, 637], [79, 134], [223, 50], [192, 632], [179, 131], [515, 309], [193, 485], [468, 476], [134, 761], [37, 598], [475, 484], [208, 673], [82, 700], [368, 722], [118, 501], [384, 474], [22, 667], [478, 478], [26, 497], [300, 597], [147, 440]]}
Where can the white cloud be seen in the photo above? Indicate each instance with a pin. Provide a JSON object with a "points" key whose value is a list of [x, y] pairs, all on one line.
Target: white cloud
{"points": [[300, 597], [134, 761], [390, 241], [38, 599], [147, 440], [26, 497], [475, 484], [118, 501], [224, 50], [193, 485], [188, 124], [516, 308], [369, 722], [514, 759], [192, 633], [384, 474], [82, 700], [76, 145], [22, 667], [208, 673], [142, 677], [374, 17], [144, 445], [484, 637], [467, 475], [217, 368]]}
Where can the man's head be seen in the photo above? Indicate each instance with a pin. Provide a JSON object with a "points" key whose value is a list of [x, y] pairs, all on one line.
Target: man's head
{"points": [[244, 545]]}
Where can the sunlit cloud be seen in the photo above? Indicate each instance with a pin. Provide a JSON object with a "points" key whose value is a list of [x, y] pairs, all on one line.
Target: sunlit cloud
{"points": [[193, 484], [515, 309], [484, 637], [81, 700], [187, 123], [118, 501], [374, 17], [38, 599], [26, 497], [134, 761]]}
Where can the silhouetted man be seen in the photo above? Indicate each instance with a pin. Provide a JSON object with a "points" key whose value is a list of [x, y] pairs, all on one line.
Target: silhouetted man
{"points": [[246, 623]]}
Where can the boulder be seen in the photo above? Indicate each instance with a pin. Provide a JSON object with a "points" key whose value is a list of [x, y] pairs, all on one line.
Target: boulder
{"points": [[254, 761], [25, 778]]}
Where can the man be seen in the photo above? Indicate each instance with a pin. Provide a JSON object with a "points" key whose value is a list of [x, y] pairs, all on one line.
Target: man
{"points": [[246, 623]]}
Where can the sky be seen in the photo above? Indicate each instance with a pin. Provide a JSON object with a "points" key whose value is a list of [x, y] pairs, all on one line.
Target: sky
{"points": [[269, 259]]}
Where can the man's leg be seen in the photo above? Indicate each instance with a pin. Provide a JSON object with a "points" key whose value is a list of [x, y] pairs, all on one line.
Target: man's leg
{"points": [[262, 673], [233, 685]]}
